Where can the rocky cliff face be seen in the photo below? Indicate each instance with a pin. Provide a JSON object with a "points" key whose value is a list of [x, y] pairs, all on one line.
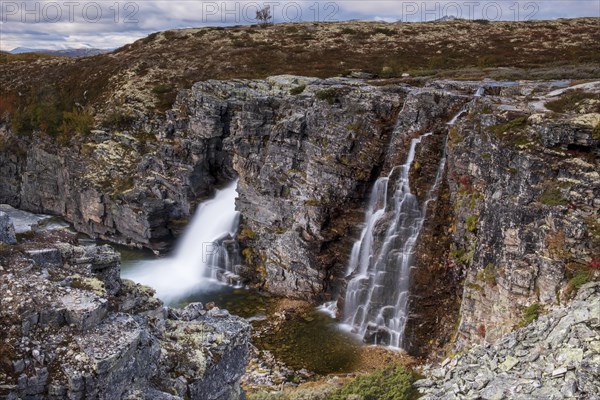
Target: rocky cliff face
{"points": [[71, 328], [524, 186], [514, 224], [305, 151]]}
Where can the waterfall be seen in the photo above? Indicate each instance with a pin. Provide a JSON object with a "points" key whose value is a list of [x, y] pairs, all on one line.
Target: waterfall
{"points": [[379, 270], [377, 292], [202, 254]]}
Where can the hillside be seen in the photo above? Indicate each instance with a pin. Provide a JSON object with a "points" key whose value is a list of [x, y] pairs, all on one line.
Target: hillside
{"points": [[145, 75]]}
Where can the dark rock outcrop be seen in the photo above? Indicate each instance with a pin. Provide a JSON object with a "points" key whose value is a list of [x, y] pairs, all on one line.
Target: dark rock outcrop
{"points": [[7, 230]]}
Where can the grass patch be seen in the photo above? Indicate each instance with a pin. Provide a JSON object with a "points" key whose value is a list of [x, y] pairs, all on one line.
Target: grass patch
{"points": [[297, 90], [552, 197], [570, 101], [388, 384], [530, 314]]}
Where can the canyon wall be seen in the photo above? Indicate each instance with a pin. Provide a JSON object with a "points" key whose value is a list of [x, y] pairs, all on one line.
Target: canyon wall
{"points": [[514, 222]]}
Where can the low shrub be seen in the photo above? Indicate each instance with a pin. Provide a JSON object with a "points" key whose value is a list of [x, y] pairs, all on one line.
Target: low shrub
{"points": [[328, 95], [297, 90]]}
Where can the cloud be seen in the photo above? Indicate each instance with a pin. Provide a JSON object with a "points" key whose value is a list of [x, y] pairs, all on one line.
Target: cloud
{"points": [[110, 24]]}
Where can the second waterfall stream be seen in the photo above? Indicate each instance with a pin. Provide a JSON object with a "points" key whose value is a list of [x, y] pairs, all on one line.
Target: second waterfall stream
{"points": [[379, 270], [200, 253]]}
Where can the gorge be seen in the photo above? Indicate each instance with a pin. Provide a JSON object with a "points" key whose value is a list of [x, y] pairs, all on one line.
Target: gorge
{"points": [[431, 215]]}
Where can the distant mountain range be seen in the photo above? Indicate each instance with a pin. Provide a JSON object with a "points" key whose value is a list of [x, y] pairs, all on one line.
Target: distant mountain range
{"points": [[81, 52]]}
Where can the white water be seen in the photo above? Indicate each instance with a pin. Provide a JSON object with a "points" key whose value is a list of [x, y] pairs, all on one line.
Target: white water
{"points": [[379, 269], [199, 255]]}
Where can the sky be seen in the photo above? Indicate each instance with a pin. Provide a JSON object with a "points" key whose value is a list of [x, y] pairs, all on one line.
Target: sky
{"points": [[108, 24]]}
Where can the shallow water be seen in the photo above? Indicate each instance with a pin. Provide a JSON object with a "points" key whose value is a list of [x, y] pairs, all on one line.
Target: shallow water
{"points": [[311, 339]]}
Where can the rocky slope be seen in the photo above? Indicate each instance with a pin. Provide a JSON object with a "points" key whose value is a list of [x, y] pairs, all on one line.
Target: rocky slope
{"points": [[555, 357], [71, 328]]}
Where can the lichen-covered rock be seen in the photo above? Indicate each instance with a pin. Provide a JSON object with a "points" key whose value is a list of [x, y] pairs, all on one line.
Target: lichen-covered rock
{"points": [[555, 357], [75, 330], [525, 192]]}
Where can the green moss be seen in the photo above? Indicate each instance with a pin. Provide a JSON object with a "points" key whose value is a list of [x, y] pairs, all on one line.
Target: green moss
{"points": [[248, 253], [475, 286], [471, 223], [530, 314], [27, 235], [247, 233], [328, 95], [91, 284], [510, 126], [457, 254], [596, 132], [312, 203], [580, 279], [463, 256], [552, 197], [454, 136], [122, 185], [297, 90], [390, 384], [488, 274], [160, 89]]}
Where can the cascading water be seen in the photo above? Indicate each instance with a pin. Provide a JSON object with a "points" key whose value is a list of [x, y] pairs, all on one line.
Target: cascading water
{"points": [[378, 274], [201, 254], [377, 291]]}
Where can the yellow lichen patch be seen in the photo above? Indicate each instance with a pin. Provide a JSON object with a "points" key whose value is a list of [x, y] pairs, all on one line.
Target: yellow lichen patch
{"points": [[589, 120], [91, 284]]}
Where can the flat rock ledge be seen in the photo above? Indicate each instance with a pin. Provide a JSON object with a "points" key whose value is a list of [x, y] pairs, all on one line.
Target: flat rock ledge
{"points": [[72, 329], [555, 357]]}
